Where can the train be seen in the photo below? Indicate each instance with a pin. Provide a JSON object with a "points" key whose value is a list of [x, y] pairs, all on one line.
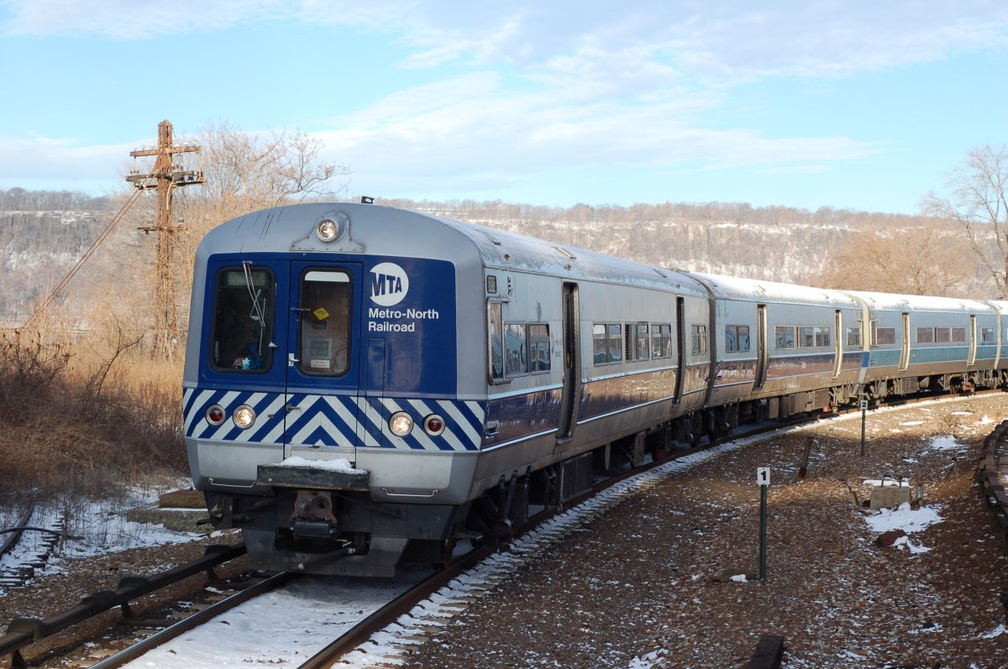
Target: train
{"points": [[366, 386]]}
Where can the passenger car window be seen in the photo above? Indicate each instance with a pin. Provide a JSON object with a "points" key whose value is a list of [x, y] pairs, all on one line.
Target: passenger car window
{"points": [[784, 336], [736, 338], [607, 342], [539, 347], [661, 340], [884, 336], [699, 339], [638, 341], [517, 360]]}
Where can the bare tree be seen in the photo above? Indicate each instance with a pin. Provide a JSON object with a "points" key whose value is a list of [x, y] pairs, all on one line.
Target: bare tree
{"points": [[979, 201], [923, 260], [245, 172]]}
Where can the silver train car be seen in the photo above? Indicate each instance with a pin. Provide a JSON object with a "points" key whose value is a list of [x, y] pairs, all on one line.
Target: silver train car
{"points": [[365, 385]]}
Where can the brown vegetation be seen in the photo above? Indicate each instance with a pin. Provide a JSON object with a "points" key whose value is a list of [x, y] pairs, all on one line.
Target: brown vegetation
{"points": [[80, 420]]}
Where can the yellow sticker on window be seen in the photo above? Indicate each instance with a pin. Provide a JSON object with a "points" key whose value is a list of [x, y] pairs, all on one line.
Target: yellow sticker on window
{"points": [[321, 313]]}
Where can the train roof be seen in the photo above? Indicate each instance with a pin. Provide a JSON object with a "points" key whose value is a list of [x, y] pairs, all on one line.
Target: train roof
{"points": [[898, 302], [730, 287], [390, 231]]}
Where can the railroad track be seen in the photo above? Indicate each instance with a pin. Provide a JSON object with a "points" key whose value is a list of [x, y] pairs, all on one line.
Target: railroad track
{"points": [[22, 632], [430, 601], [191, 622], [21, 561]]}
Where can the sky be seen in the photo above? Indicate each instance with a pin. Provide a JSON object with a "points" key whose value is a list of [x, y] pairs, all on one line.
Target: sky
{"points": [[853, 104]]}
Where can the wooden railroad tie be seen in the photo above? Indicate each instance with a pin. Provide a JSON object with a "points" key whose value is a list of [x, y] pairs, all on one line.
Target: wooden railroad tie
{"points": [[769, 653]]}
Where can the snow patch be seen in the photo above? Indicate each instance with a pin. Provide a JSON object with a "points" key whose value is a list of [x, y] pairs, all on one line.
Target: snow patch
{"points": [[903, 518], [945, 444], [341, 465]]}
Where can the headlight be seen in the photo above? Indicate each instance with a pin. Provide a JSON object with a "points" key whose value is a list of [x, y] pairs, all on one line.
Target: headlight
{"points": [[327, 229], [400, 423], [330, 228], [244, 416]]}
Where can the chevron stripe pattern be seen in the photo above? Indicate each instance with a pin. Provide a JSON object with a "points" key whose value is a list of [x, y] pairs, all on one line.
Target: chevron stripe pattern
{"points": [[333, 420]]}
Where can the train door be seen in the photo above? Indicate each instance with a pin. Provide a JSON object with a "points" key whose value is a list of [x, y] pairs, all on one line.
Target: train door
{"points": [[572, 362], [322, 370], [838, 343], [905, 352], [680, 347], [761, 346], [972, 340]]}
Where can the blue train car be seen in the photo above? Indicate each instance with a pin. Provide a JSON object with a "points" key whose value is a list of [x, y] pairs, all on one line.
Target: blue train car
{"points": [[791, 348], [928, 343]]}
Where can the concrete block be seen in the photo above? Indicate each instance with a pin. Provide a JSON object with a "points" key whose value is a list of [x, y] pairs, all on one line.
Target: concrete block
{"points": [[889, 496]]}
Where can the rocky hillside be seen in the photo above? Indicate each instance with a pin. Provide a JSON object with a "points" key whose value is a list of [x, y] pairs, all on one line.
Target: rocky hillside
{"points": [[42, 235]]}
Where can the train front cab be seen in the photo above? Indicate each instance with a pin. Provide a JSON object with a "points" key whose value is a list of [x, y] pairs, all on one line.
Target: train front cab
{"points": [[302, 431]]}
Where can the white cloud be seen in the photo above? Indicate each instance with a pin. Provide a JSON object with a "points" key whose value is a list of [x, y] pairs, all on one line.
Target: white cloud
{"points": [[534, 86], [38, 159], [126, 19], [470, 130], [725, 39]]}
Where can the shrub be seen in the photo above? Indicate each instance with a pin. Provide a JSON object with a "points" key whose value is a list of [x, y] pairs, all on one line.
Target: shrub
{"points": [[85, 422]]}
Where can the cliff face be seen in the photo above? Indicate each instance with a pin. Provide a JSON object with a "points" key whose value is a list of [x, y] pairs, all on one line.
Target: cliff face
{"points": [[39, 246], [37, 249]]}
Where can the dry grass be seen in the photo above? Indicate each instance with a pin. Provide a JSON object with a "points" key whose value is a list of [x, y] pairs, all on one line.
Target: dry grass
{"points": [[85, 418]]}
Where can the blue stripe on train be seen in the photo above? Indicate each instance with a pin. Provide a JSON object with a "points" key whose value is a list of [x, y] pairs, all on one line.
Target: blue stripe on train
{"points": [[333, 420]]}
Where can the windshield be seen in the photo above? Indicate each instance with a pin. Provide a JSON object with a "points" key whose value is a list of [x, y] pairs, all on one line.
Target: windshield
{"points": [[324, 325], [243, 321]]}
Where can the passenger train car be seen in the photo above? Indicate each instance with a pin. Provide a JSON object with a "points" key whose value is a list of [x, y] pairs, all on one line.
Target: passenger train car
{"points": [[365, 385]]}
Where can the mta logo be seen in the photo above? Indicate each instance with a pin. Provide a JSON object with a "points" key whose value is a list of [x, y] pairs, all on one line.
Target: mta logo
{"points": [[389, 284]]}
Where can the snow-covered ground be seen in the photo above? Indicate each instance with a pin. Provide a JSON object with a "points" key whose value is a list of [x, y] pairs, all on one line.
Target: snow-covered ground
{"points": [[89, 528], [282, 628]]}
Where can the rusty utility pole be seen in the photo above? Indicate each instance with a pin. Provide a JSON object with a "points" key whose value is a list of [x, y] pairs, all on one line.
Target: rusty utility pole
{"points": [[165, 177]]}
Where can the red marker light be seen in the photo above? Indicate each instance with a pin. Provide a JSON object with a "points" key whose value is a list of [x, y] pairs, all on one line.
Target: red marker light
{"points": [[215, 415], [434, 425]]}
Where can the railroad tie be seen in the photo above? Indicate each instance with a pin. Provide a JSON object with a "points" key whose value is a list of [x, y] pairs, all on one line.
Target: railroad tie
{"points": [[769, 653]]}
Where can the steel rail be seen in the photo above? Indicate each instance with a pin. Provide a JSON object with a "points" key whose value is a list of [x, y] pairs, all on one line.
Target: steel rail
{"points": [[191, 622], [388, 613], [16, 532], [24, 631]]}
